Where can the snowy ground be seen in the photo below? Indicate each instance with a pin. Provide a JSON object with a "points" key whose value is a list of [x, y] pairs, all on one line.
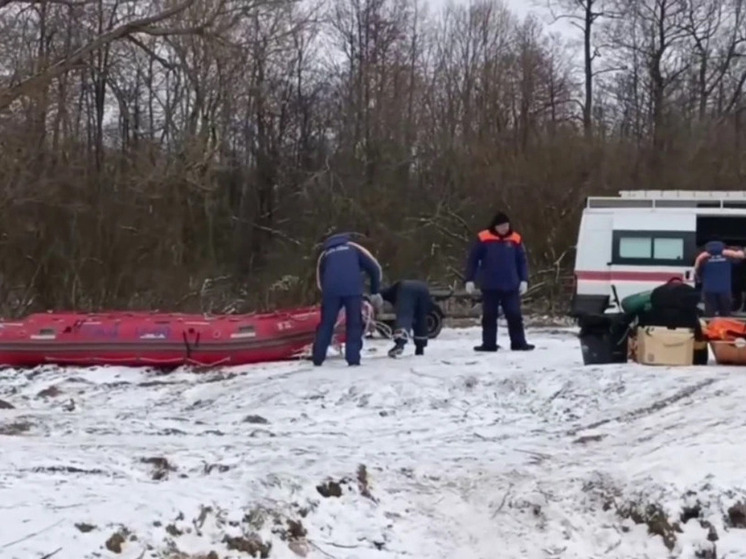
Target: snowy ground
{"points": [[511, 455]]}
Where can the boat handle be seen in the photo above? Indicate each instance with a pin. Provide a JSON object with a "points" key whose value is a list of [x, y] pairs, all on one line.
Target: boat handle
{"points": [[187, 345]]}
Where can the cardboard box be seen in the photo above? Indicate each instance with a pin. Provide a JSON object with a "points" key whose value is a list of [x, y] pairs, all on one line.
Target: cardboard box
{"points": [[658, 345]]}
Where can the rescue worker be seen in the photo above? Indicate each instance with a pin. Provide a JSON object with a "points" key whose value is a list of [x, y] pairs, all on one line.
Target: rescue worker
{"points": [[338, 271], [714, 268], [498, 257], [412, 303]]}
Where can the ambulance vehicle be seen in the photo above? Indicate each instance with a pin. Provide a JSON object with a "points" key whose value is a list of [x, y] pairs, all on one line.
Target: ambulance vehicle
{"points": [[643, 238]]}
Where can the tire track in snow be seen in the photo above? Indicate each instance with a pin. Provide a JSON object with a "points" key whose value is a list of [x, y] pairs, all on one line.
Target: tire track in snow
{"points": [[648, 410]]}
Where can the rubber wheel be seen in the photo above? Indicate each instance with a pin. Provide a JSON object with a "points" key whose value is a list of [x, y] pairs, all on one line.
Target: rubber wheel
{"points": [[434, 324]]}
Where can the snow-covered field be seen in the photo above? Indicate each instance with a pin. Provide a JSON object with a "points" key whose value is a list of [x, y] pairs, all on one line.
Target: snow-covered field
{"points": [[451, 455]]}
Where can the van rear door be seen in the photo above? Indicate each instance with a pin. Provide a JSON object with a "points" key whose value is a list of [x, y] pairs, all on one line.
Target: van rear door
{"points": [[592, 288], [649, 248]]}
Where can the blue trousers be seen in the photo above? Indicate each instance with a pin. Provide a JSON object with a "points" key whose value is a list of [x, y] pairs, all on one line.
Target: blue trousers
{"points": [[411, 307], [510, 301], [330, 307], [718, 304]]}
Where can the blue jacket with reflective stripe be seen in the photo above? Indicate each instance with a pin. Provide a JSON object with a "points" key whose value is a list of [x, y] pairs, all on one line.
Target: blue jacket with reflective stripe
{"points": [[339, 268], [497, 262]]}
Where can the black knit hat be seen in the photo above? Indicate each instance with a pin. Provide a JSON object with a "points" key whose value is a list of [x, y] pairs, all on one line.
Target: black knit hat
{"points": [[499, 219]]}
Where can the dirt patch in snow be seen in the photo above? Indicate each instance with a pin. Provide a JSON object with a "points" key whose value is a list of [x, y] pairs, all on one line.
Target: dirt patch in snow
{"points": [[15, 428], [329, 488], [118, 540], [332, 488], [658, 522], [252, 545], [50, 392], [220, 468], [59, 469], [363, 483], [85, 527], [243, 535], [737, 515], [160, 467], [654, 518]]}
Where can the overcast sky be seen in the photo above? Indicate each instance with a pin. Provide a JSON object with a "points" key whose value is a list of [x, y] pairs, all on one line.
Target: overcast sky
{"points": [[520, 8]]}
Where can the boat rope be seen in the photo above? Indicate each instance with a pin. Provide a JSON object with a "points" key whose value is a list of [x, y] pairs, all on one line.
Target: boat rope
{"points": [[370, 325]]}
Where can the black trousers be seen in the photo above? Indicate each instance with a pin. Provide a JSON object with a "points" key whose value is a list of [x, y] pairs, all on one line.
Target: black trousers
{"points": [[510, 301]]}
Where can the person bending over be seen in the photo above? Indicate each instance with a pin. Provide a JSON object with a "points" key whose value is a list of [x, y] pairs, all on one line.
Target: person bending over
{"points": [[338, 276], [412, 303]]}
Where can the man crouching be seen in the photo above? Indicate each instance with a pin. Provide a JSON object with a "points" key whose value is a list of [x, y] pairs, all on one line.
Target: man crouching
{"points": [[412, 303]]}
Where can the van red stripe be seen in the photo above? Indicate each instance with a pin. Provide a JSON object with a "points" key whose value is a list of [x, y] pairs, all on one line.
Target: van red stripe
{"points": [[628, 276]]}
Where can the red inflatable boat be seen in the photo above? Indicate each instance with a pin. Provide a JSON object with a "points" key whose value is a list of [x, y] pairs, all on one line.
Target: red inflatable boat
{"points": [[156, 339]]}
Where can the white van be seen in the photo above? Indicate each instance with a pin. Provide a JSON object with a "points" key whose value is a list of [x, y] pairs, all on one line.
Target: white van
{"points": [[643, 238]]}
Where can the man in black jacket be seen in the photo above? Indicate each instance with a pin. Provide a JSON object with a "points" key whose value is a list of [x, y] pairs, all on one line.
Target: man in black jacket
{"points": [[412, 303]]}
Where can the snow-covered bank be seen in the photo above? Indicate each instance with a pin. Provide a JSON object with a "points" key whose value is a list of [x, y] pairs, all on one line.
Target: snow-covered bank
{"points": [[511, 455]]}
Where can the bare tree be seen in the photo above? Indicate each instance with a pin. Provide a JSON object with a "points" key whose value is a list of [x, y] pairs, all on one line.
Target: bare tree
{"points": [[583, 14]]}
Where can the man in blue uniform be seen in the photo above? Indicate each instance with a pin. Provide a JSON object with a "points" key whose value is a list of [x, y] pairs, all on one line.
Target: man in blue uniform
{"points": [[338, 276], [714, 267], [498, 259], [412, 303]]}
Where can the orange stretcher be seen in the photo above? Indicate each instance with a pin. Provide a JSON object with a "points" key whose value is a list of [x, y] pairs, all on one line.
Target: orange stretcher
{"points": [[727, 338]]}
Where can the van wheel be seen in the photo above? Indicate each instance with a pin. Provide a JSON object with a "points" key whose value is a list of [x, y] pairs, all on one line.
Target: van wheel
{"points": [[435, 319], [434, 323]]}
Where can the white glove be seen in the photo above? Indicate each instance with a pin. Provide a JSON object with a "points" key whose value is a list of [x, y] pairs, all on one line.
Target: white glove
{"points": [[470, 287], [377, 301], [523, 287]]}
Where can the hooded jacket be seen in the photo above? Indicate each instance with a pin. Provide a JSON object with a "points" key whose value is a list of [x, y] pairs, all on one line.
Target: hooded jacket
{"points": [[497, 262], [339, 268]]}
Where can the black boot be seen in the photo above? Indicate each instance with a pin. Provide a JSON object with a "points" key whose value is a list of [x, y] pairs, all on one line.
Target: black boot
{"points": [[397, 350], [419, 350], [522, 347], [485, 348]]}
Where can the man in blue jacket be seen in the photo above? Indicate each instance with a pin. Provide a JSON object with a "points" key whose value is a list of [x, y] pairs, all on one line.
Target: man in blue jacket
{"points": [[714, 267], [338, 276], [412, 303], [498, 259]]}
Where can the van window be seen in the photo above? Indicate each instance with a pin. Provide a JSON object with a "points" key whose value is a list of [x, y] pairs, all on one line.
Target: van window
{"points": [[668, 249], [653, 248], [635, 247]]}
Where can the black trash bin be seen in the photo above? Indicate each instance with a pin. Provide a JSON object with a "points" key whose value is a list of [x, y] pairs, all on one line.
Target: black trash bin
{"points": [[603, 338]]}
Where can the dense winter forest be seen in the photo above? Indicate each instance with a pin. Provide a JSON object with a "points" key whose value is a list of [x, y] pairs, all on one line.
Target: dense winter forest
{"points": [[188, 153]]}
